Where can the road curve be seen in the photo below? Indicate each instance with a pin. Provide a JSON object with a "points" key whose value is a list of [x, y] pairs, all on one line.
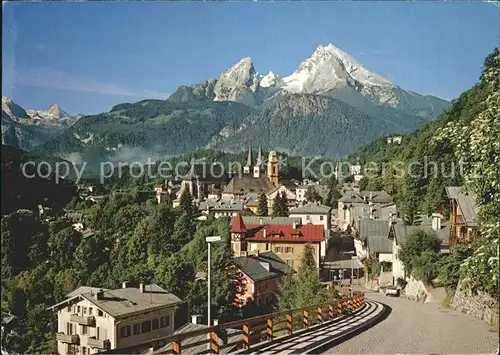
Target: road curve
{"points": [[416, 328]]}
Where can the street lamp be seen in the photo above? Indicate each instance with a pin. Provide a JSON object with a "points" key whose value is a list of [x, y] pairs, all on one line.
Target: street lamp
{"points": [[352, 273], [210, 240]]}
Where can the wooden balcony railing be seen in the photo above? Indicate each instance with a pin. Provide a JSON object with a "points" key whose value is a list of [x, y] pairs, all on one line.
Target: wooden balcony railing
{"points": [[246, 334], [68, 338], [98, 343], [83, 320]]}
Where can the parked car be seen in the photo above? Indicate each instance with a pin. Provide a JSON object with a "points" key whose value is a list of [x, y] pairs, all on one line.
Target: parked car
{"points": [[392, 290]]}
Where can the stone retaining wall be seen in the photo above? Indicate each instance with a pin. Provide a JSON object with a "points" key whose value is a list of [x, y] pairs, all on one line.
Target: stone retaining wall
{"points": [[480, 305]]}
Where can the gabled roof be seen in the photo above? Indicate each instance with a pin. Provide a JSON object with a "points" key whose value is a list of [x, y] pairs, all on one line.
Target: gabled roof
{"points": [[373, 227], [254, 266], [255, 220], [311, 208], [351, 197], [242, 185], [379, 244], [400, 231], [377, 196], [308, 233], [125, 301], [467, 203]]}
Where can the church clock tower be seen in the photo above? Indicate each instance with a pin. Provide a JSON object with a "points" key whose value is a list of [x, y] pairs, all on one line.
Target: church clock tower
{"points": [[272, 167]]}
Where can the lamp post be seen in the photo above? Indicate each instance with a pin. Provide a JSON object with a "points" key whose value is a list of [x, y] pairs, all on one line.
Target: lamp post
{"points": [[210, 240]]}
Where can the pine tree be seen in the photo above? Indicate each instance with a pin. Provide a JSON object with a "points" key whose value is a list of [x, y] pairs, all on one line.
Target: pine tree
{"points": [[333, 193], [186, 202], [276, 208], [262, 209], [284, 205]]}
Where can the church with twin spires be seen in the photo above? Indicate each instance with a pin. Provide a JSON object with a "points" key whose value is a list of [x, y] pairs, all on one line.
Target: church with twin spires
{"points": [[255, 178]]}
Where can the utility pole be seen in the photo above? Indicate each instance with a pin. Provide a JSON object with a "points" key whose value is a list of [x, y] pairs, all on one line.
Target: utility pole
{"points": [[210, 240]]}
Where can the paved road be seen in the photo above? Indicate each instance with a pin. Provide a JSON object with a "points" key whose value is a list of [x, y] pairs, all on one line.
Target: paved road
{"points": [[314, 340], [416, 328]]}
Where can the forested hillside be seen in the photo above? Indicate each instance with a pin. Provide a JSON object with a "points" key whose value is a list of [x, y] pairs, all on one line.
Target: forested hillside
{"points": [[468, 132], [424, 190]]}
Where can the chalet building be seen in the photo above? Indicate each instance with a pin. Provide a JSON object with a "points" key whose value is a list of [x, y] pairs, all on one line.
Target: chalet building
{"points": [[354, 206], [93, 320], [463, 219], [285, 240], [221, 208], [261, 274]]}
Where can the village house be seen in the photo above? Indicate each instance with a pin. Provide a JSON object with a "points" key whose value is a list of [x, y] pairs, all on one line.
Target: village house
{"points": [[261, 274], [278, 191], [285, 240], [93, 320], [354, 206], [314, 213], [221, 208], [399, 232], [322, 191], [463, 218]]}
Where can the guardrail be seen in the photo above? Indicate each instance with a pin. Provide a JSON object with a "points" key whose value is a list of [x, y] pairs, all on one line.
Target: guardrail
{"points": [[242, 335]]}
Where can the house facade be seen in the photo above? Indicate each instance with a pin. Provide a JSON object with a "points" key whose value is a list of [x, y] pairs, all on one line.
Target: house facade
{"points": [[285, 240], [93, 320], [314, 213], [354, 206], [260, 277], [463, 218]]}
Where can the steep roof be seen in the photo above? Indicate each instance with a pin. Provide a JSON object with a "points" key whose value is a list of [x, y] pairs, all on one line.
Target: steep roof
{"points": [[401, 231], [352, 197], [255, 220], [311, 208], [249, 157], [466, 201], [373, 227], [254, 266], [238, 226], [308, 233], [242, 185], [379, 244], [377, 196]]}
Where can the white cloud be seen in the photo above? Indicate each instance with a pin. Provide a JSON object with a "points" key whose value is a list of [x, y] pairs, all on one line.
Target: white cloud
{"points": [[50, 78]]}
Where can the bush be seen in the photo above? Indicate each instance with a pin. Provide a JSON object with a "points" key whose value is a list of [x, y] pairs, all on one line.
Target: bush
{"points": [[412, 252], [449, 267]]}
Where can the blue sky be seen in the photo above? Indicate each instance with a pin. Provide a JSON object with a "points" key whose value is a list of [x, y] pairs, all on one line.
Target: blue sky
{"points": [[89, 56]]}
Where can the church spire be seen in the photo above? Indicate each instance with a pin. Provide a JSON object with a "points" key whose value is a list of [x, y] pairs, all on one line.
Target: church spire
{"points": [[259, 157], [248, 167]]}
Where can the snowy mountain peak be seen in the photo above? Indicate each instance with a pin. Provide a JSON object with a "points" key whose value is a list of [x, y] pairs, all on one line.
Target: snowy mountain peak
{"points": [[271, 79], [237, 82], [331, 68], [56, 112]]}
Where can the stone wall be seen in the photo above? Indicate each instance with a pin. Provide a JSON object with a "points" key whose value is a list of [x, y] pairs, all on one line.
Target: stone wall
{"points": [[479, 305], [415, 290]]}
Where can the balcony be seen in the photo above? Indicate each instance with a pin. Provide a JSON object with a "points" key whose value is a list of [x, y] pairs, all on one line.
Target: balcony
{"points": [[98, 343], [83, 320], [66, 338]]}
